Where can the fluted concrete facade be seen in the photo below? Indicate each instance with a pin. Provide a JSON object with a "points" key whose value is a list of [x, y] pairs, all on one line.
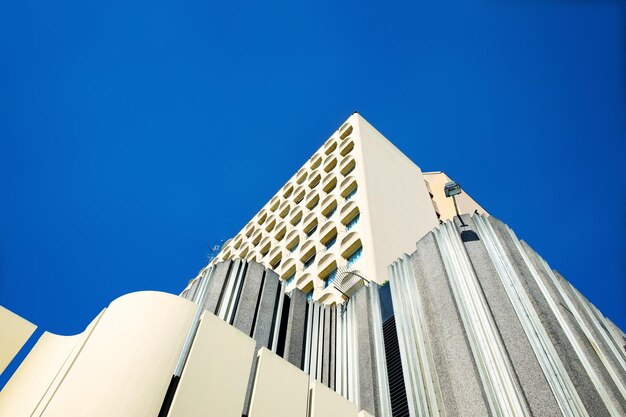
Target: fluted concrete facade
{"points": [[488, 328]]}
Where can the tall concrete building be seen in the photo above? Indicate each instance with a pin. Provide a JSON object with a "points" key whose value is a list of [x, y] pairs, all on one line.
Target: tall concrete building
{"points": [[359, 289]]}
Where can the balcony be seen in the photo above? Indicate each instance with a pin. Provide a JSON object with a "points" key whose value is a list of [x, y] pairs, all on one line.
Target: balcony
{"points": [[314, 179], [330, 163], [350, 244], [345, 131], [298, 194], [274, 203], [296, 216], [330, 146], [312, 200], [288, 268], [265, 245], [287, 190], [270, 223], [346, 147], [301, 176], [284, 209], [260, 218], [315, 162], [275, 257], [347, 166], [329, 183], [279, 231], [326, 265], [329, 206], [349, 212]]}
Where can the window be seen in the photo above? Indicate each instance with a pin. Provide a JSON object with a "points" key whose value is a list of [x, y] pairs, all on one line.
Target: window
{"points": [[351, 194], [294, 247], [309, 295], [309, 261], [331, 212], [331, 242], [348, 169], [312, 230], [290, 279], [355, 256], [353, 222], [330, 278]]}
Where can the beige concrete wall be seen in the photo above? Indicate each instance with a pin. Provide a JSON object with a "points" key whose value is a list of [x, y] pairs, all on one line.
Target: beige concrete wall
{"points": [[445, 205], [31, 381], [327, 403], [123, 363], [36, 380], [399, 210], [280, 389], [126, 365], [215, 378], [14, 333]]}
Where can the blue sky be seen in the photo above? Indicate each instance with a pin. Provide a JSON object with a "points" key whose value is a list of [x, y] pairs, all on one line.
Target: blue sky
{"points": [[134, 134]]}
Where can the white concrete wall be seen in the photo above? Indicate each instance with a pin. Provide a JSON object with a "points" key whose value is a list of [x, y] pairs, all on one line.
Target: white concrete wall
{"points": [[280, 389], [399, 210], [216, 374], [126, 365], [14, 333]]}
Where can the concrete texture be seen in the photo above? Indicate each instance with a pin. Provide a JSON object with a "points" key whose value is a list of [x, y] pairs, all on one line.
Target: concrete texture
{"points": [[248, 298], [461, 388], [325, 376], [216, 284], [265, 310], [368, 390], [570, 359], [294, 343], [528, 372]]}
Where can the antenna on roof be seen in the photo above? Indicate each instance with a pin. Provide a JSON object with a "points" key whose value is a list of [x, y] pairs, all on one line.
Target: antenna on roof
{"points": [[215, 250]]}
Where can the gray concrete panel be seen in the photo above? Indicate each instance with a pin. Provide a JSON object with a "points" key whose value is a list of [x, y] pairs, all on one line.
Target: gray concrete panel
{"points": [[368, 388], [461, 388], [193, 289], [572, 363], [216, 284], [333, 346], [249, 298], [530, 377], [596, 341], [325, 377], [294, 343], [265, 311]]}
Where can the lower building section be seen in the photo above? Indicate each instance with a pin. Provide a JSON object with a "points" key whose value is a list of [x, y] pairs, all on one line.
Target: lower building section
{"points": [[485, 327], [472, 323], [152, 354]]}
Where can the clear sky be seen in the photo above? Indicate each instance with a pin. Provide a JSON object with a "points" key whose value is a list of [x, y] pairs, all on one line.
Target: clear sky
{"points": [[134, 134]]}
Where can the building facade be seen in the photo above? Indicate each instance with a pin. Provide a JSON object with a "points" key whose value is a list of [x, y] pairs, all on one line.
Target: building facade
{"points": [[356, 204], [359, 289]]}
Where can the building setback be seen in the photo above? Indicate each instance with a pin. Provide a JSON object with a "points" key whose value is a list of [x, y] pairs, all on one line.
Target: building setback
{"points": [[357, 290]]}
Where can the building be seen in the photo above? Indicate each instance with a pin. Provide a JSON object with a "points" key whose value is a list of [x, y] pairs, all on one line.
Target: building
{"points": [[357, 203], [356, 291]]}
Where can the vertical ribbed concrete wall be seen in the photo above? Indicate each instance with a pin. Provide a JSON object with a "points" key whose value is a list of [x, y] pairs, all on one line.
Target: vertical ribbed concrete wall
{"points": [[122, 365], [485, 327], [341, 346]]}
